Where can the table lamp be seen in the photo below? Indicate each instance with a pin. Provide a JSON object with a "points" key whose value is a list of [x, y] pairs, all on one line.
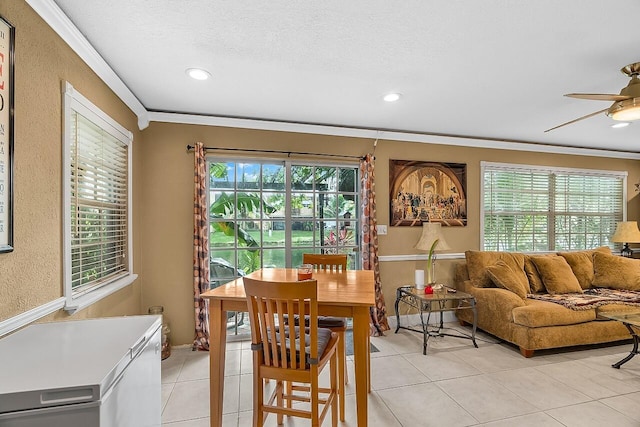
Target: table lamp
{"points": [[626, 232], [431, 240]]}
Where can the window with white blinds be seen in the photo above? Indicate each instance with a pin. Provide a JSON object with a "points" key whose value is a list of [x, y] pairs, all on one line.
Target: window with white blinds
{"points": [[536, 208], [97, 202]]}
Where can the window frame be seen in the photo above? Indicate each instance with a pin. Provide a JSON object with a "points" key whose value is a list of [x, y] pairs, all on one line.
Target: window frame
{"points": [[73, 101], [552, 214]]}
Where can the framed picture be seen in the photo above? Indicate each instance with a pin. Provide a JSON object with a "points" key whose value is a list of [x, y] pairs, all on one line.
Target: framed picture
{"points": [[7, 34], [427, 192]]}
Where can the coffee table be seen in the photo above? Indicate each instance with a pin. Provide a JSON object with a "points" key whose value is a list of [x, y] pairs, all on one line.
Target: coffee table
{"points": [[631, 320], [449, 300]]}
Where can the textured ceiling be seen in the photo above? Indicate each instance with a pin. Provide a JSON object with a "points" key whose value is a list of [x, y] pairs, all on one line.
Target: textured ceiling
{"points": [[494, 69]]}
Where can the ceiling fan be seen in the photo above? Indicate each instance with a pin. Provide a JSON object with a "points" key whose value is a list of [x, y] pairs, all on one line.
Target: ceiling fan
{"points": [[625, 107]]}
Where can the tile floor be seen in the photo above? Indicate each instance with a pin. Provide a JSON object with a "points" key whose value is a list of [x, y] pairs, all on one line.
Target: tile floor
{"points": [[454, 385]]}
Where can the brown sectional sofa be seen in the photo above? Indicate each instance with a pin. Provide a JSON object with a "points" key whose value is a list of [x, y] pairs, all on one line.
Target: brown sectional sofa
{"points": [[502, 283]]}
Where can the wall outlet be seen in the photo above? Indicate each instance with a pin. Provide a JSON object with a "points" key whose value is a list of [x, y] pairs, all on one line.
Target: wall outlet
{"points": [[382, 229]]}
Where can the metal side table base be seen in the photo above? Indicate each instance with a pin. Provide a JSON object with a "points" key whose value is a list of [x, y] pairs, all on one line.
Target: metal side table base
{"points": [[634, 351], [435, 303]]}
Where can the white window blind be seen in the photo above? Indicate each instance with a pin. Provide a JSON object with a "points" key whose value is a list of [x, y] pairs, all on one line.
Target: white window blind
{"points": [[99, 198], [531, 208], [97, 203]]}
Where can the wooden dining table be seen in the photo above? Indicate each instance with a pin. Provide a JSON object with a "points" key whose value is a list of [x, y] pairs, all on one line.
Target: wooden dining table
{"points": [[342, 294]]}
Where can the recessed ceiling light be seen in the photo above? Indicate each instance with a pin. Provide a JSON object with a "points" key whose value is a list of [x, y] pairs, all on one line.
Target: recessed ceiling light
{"points": [[198, 73], [392, 97], [620, 125]]}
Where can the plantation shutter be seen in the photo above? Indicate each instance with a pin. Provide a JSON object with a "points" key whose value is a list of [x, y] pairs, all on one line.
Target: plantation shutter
{"points": [[526, 208], [99, 199]]}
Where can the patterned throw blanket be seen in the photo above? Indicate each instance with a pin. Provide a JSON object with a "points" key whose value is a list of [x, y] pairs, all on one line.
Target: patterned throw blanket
{"points": [[591, 298]]}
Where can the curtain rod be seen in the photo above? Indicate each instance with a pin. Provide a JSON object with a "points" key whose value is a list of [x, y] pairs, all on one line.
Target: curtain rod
{"points": [[288, 153]]}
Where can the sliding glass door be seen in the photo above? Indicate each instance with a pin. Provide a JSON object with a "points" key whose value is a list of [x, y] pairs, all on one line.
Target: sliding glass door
{"points": [[266, 213]]}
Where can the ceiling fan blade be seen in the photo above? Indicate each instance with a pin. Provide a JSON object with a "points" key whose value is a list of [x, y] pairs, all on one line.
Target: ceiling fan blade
{"points": [[578, 119], [598, 96]]}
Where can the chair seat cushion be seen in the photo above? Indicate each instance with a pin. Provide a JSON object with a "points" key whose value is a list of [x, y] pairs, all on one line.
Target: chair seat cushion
{"points": [[323, 321], [324, 336], [332, 322]]}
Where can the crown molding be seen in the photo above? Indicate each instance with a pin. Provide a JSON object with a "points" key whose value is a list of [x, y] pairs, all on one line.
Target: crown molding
{"points": [[272, 125], [60, 23]]}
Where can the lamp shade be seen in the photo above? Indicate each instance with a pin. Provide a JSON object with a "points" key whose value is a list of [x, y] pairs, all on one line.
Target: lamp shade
{"points": [[626, 232], [432, 231]]}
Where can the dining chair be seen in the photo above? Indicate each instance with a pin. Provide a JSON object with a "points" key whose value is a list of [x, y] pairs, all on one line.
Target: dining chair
{"points": [[293, 356], [337, 263]]}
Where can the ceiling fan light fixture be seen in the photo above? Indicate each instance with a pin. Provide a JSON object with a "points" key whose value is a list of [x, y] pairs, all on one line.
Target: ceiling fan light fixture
{"points": [[625, 111], [198, 73]]}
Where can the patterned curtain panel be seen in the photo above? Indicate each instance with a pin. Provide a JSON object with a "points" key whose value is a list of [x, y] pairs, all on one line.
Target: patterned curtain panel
{"points": [[200, 249], [370, 242]]}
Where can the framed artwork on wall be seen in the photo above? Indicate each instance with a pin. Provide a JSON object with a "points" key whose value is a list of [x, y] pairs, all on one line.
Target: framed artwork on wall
{"points": [[7, 34], [427, 192]]}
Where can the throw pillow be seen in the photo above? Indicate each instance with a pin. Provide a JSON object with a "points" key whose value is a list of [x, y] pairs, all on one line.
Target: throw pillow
{"points": [[508, 278], [478, 261], [616, 272], [556, 274], [535, 281], [581, 262]]}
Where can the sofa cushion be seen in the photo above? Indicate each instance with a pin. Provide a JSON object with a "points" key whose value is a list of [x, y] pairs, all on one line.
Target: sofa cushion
{"points": [[506, 277], [478, 261], [581, 262], [616, 308], [535, 281], [536, 314], [616, 272], [556, 274]]}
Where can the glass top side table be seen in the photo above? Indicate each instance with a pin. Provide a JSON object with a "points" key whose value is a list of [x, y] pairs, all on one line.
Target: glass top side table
{"points": [[448, 300]]}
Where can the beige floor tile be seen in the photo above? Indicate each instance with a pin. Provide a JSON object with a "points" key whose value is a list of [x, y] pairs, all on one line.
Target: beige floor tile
{"points": [[246, 362], [579, 376], [404, 373], [196, 366], [539, 419], [589, 351], [198, 422], [379, 415], [623, 380], [441, 365], [172, 366], [189, 400], [499, 357], [392, 343], [425, 405], [591, 414], [231, 402], [539, 389], [233, 362], [166, 393], [626, 404], [485, 399]]}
